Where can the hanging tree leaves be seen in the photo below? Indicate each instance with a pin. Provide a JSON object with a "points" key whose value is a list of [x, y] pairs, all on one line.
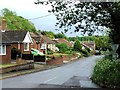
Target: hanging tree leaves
{"points": [[86, 17]]}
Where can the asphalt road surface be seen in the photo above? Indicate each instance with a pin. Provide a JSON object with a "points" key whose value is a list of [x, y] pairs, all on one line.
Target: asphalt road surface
{"points": [[65, 75]]}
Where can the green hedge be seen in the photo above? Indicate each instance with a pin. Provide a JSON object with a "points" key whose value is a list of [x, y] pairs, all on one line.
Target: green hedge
{"points": [[107, 73]]}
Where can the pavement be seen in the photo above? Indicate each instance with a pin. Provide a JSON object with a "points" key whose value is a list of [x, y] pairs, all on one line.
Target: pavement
{"points": [[73, 74]]}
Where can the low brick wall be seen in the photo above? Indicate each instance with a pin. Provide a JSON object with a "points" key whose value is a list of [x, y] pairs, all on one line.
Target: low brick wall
{"points": [[55, 61], [19, 67], [60, 60]]}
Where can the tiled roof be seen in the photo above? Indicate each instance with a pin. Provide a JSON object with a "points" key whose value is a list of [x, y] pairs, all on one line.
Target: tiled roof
{"points": [[35, 36], [89, 44], [14, 36], [62, 40], [4, 39], [47, 39]]}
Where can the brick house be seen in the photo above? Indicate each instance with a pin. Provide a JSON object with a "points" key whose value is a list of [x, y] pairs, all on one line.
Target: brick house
{"points": [[47, 43], [36, 40], [13, 43], [5, 49]]}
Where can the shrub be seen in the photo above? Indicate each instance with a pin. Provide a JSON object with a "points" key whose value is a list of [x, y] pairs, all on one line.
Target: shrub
{"points": [[107, 73], [77, 46], [85, 52], [92, 52], [62, 47], [49, 51]]}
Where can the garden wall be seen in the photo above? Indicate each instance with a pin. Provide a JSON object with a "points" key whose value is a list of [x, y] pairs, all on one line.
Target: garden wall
{"points": [[59, 60], [55, 61], [19, 67]]}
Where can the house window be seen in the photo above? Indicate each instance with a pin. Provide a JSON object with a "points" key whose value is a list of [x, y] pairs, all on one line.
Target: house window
{"points": [[26, 46], [2, 49]]}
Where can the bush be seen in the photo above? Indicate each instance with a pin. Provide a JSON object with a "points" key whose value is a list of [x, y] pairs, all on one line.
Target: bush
{"points": [[92, 52], [85, 52], [107, 73], [77, 46], [49, 51], [62, 47]]}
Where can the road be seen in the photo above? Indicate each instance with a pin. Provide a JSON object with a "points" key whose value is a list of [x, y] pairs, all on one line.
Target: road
{"points": [[63, 75]]}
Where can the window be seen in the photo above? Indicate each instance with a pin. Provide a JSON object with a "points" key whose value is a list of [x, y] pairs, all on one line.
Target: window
{"points": [[2, 49], [26, 46]]}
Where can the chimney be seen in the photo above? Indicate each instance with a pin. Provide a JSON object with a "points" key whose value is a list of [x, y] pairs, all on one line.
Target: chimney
{"points": [[3, 25]]}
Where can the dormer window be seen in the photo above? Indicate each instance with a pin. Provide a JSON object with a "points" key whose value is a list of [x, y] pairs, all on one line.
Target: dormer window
{"points": [[26, 46]]}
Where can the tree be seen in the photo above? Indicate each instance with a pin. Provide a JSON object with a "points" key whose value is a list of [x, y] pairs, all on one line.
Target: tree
{"points": [[77, 46], [60, 35], [49, 34], [15, 22], [94, 14], [102, 43]]}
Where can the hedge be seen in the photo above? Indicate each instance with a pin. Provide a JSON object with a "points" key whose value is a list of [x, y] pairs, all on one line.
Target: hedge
{"points": [[107, 73]]}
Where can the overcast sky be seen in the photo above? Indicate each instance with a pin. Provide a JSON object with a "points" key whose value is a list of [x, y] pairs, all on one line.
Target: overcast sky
{"points": [[29, 10]]}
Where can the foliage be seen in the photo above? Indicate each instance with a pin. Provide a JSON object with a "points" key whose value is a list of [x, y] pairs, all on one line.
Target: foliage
{"points": [[49, 51], [60, 35], [85, 52], [93, 52], [69, 51], [102, 43], [49, 34], [82, 38], [107, 73], [52, 35], [70, 13], [77, 46], [62, 47], [15, 22]]}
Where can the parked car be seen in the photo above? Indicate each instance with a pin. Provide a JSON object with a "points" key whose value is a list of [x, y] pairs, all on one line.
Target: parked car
{"points": [[97, 52], [36, 52]]}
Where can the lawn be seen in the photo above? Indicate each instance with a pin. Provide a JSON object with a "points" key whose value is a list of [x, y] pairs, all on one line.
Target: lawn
{"points": [[7, 65], [49, 56]]}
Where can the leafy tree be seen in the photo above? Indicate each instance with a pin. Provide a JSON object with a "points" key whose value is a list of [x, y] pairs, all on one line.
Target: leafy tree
{"points": [[60, 35], [94, 14], [102, 43], [50, 34], [15, 22], [62, 47], [77, 46]]}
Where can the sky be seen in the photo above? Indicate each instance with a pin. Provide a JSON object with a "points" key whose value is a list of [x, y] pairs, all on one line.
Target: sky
{"points": [[29, 10]]}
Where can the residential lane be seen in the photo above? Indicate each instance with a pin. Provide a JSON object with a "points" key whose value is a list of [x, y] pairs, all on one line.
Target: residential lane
{"points": [[56, 76]]}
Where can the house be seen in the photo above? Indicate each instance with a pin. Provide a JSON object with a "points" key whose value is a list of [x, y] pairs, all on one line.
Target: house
{"points": [[13, 43], [5, 49], [36, 40], [47, 43], [62, 40], [88, 44]]}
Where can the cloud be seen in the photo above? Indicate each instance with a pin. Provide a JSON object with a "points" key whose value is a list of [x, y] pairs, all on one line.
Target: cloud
{"points": [[25, 7]]}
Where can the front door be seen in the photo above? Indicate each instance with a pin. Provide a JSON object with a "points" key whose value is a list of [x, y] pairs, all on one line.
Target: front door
{"points": [[14, 53]]}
